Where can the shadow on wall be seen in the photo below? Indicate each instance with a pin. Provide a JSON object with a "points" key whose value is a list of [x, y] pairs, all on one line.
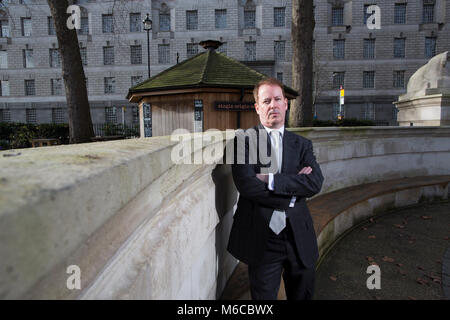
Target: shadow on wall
{"points": [[225, 200]]}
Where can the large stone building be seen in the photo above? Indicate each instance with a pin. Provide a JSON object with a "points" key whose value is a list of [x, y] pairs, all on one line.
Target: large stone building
{"points": [[373, 65]]}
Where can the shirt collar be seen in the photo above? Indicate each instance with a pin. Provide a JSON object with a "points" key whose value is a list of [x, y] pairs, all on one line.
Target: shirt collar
{"points": [[280, 130]]}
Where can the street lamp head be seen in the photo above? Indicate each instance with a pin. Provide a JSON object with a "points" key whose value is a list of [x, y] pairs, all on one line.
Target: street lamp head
{"points": [[147, 23]]}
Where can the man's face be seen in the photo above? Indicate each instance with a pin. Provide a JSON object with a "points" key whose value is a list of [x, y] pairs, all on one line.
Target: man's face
{"points": [[271, 106]]}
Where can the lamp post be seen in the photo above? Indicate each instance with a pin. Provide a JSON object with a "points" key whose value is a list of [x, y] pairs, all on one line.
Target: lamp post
{"points": [[147, 27]]}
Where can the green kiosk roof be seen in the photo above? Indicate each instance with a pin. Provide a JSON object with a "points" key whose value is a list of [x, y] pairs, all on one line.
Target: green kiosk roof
{"points": [[207, 69]]}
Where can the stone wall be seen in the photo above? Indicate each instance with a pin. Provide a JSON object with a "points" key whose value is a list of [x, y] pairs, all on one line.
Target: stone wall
{"points": [[140, 227]]}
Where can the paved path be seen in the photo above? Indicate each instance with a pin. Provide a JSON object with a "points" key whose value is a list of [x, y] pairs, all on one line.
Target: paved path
{"points": [[412, 248]]}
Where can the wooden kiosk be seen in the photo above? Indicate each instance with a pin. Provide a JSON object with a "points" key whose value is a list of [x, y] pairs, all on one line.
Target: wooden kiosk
{"points": [[209, 90]]}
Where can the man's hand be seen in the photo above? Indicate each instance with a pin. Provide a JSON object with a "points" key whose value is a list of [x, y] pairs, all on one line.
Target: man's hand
{"points": [[305, 170], [263, 177]]}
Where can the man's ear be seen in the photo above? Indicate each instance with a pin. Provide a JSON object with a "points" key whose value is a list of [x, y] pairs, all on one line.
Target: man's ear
{"points": [[256, 108]]}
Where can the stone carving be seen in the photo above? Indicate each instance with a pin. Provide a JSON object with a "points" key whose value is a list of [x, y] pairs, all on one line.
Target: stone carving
{"points": [[433, 75]]}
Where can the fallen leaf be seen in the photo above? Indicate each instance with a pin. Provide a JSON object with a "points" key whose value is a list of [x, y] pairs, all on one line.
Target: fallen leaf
{"points": [[411, 242], [420, 268], [446, 238], [399, 264], [421, 281], [387, 259], [333, 278], [364, 228], [426, 217], [403, 273], [371, 236], [438, 261], [400, 226], [411, 298]]}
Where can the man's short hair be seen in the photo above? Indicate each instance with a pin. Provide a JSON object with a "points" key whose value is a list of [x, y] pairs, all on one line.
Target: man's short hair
{"points": [[268, 81]]}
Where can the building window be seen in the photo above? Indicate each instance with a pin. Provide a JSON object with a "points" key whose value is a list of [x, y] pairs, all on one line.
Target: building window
{"points": [[4, 28], [221, 18], [394, 113], [368, 111], [5, 115], [163, 53], [191, 49], [51, 26], [28, 61], [135, 22], [428, 13], [84, 26], [430, 47], [108, 55], [3, 59], [26, 27], [58, 115], [399, 47], [110, 85], [107, 23], [279, 15], [111, 115], [30, 89], [279, 50], [280, 76], [31, 115], [399, 79], [369, 79], [55, 61], [365, 14], [339, 49], [369, 49], [164, 22], [136, 54], [191, 20], [250, 51], [57, 86], [4, 88], [223, 48], [249, 18], [400, 13], [83, 53], [136, 80], [337, 16], [338, 79]]}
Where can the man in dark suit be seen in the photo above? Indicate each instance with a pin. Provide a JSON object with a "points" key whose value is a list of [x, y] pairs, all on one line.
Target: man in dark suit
{"points": [[272, 230]]}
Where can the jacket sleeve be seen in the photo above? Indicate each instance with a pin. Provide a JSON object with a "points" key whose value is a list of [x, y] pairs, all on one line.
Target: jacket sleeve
{"points": [[301, 185], [249, 186]]}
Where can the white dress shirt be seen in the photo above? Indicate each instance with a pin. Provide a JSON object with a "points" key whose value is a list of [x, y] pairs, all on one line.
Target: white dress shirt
{"points": [[271, 183]]}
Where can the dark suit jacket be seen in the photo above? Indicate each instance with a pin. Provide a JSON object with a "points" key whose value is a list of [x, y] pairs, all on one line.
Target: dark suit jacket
{"points": [[250, 229]]}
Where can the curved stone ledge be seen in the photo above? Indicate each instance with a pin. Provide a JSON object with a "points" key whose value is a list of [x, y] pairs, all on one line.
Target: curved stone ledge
{"points": [[140, 226]]}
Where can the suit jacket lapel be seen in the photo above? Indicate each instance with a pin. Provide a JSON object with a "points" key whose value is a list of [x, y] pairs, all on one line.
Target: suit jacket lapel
{"points": [[289, 150]]}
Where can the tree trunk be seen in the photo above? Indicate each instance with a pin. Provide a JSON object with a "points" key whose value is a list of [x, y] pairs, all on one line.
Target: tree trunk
{"points": [[80, 122], [302, 29]]}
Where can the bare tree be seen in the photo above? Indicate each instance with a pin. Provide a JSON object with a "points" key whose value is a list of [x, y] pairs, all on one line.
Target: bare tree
{"points": [[80, 122], [318, 85], [302, 29]]}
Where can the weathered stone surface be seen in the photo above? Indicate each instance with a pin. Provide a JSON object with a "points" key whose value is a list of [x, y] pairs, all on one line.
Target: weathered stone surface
{"points": [[140, 226]]}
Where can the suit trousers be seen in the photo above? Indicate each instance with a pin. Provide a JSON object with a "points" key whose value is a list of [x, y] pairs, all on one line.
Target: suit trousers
{"points": [[281, 259]]}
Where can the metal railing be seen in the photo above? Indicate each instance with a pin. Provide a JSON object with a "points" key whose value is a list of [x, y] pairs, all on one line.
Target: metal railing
{"points": [[116, 129]]}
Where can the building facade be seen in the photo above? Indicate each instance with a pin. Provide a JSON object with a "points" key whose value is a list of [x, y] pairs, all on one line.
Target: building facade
{"points": [[372, 64]]}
